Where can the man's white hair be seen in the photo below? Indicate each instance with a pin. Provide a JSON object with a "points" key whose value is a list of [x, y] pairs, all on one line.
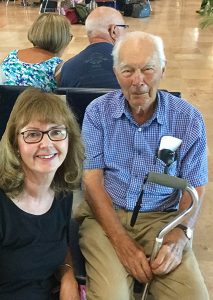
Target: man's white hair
{"points": [[140, 36], [101, 18]]}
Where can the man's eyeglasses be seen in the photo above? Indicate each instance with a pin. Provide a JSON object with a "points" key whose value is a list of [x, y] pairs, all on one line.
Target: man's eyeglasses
{"points": [[35, 136], [124, 26]]}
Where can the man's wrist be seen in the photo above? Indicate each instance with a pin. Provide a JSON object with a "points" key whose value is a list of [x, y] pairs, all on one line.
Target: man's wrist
{"points": [[186, 230]]}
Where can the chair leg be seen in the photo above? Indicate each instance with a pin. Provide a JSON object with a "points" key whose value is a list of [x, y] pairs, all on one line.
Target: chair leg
{"points": [[149, 5], [46, 5], [59, 7], [40, 8]]}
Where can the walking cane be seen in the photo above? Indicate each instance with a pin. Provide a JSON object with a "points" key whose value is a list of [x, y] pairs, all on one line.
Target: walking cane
{"points": [[177, 183]]}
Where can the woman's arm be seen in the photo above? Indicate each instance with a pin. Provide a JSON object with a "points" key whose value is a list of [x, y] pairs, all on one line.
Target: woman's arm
{"points": [[58, 73], [69, 285]]}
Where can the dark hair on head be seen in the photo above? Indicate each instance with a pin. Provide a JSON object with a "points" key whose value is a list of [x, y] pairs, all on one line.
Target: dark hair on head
{"points": [[50, 32], [36, 105]]}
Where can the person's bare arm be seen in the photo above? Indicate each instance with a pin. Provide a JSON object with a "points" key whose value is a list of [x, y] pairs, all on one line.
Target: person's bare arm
{"points": [[58, 73], [170, 254], [129, 252], [69, 286]]}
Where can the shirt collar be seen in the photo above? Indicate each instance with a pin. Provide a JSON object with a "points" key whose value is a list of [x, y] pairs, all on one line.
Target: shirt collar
{"points": [[159, 114]]}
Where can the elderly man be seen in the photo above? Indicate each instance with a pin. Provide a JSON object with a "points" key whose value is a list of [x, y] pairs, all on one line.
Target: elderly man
{"points": [[93, 67], [122, 132]]}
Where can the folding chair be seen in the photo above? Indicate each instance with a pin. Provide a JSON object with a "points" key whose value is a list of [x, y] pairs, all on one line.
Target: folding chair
{"points": [[50, 6]]}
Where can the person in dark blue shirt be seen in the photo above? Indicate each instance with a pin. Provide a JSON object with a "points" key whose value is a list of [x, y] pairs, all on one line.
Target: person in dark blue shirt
{"points": [[93, 67]]}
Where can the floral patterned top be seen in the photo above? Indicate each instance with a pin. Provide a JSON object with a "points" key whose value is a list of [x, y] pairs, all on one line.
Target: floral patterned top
{"points": [[41, 75]]}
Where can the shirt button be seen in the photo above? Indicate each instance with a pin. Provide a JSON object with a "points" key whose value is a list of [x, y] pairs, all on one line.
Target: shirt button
{"points": [[139, 129]]}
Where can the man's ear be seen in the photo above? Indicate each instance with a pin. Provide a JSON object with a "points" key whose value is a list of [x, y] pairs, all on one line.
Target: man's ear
{"points": [[163, 72], [112, 32], [163, 69]]}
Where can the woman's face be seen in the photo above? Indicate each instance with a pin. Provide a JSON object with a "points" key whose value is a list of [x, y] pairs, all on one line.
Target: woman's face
{"points": [[40, 155]]}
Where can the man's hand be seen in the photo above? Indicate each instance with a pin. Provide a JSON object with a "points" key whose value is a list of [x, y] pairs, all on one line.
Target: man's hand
{"points": [[170, 254], [133, 259]]}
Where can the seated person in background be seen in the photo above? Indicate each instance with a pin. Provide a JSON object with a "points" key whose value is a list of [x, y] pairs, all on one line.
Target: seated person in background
{"points": [[40, 162], [108, 3], [38, 66], [202, 7], [122, 131], [92, 67]]}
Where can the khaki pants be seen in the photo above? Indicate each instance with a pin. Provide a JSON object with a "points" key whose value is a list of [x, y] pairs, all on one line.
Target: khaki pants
{"points": [[107, 279]]}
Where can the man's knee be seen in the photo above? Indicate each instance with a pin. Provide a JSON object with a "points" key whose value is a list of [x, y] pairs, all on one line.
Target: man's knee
{"points": [[119, 290]]}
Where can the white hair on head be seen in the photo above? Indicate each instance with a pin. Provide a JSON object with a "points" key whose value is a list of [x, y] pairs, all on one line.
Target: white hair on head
{"points": [[100, 19], [140, 36]]}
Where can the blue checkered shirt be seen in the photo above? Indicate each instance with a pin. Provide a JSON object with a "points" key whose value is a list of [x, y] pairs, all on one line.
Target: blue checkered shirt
{"points": [[127, 151]]}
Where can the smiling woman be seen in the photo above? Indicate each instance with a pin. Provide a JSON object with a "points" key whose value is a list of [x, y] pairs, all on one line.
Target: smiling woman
{"points": [[40, 159], [47, 111]]}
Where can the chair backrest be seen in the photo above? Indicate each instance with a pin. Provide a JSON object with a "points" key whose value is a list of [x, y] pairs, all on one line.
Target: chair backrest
{"points": [[79, 98], [8, 96], [176, 94]]}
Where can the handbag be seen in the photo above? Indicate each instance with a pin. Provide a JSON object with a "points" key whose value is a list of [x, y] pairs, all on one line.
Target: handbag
{"points": [[141, 10], [71, 15]]}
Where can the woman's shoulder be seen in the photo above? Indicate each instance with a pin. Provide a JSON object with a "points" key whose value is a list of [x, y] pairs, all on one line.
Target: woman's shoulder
{"points": [[11, 55], [37, 56], [53, 60], [4, 200]]}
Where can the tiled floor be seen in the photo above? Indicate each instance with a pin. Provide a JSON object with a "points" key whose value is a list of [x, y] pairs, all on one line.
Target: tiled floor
{"points": [[189, 52]]}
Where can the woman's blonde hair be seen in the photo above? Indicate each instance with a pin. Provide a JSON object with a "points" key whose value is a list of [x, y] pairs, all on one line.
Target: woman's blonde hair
{"points": [[34, 104], [50, 32]]}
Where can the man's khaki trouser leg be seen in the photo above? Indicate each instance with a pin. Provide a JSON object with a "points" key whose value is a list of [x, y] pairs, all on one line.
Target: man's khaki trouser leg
{"points": [[107, 278]]}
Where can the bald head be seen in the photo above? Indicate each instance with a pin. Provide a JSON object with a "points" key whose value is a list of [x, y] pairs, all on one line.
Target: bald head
{"points": [[101, 20]]}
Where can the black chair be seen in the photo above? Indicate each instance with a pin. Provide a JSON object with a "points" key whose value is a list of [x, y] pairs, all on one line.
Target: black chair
{"points": [[77, 256], [176, 94], [8, 96], [48, 6], [79, 98]]}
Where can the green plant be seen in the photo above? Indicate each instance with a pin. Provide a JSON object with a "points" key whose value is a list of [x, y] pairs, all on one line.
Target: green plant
{"points": [[207, 15]]}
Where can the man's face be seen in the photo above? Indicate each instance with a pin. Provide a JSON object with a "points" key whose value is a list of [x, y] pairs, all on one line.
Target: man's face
{"points": [[139, 73]]}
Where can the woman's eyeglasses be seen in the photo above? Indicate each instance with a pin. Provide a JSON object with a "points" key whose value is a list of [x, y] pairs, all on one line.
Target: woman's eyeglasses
{"points": [[35, 136]]}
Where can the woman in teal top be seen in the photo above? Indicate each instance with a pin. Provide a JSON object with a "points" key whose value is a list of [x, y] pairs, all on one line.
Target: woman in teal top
{"points": [[40, 65]]}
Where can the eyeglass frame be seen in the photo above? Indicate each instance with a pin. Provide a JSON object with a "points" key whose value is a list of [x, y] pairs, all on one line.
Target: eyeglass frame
{"points": [[42, 135], [125, 26]]}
